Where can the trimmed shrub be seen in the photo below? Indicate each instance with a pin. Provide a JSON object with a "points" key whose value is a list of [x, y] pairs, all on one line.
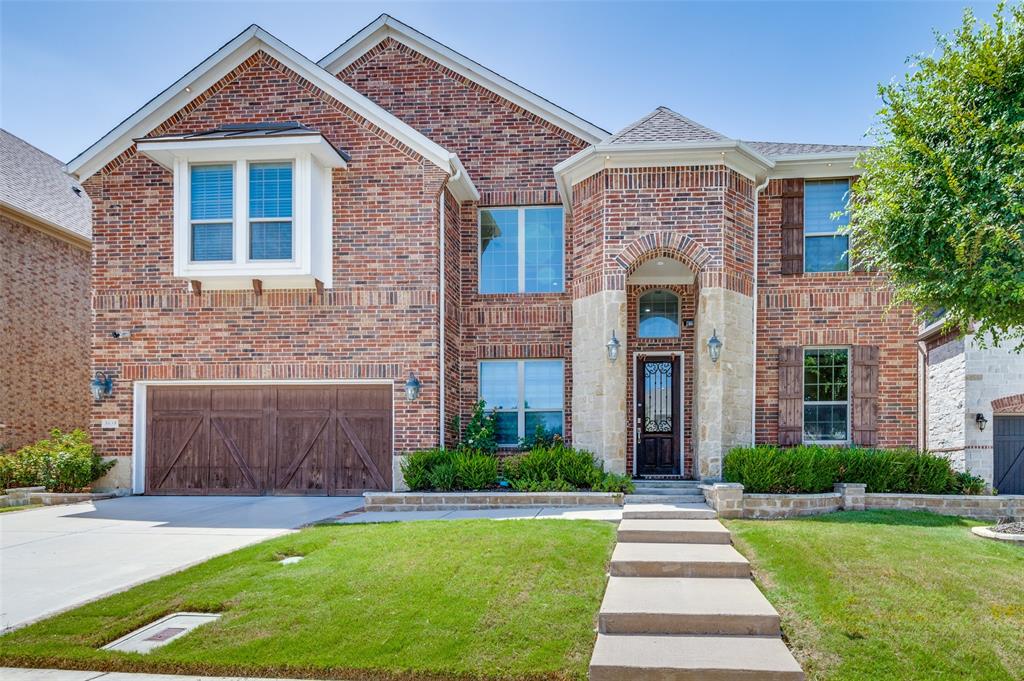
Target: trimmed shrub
{"points": [[812, 469], [65, 462], [614, 482], [475, 470], [417, 466], [969, 484], [443, 476]]}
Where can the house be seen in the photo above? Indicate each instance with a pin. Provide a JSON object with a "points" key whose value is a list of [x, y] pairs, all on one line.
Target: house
{"points": [[974, 405], [44, 295], [303, 271]]}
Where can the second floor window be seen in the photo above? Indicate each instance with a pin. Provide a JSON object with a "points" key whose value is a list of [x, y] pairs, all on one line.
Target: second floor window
{"points": [[270, 211], [825, 250], [212, 213], [522, 250]]}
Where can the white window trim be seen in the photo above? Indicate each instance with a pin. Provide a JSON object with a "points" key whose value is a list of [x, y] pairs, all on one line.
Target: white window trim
{"points": [[639, 311], [521, 410], [823, 235], [848, 402], [521, 250]]}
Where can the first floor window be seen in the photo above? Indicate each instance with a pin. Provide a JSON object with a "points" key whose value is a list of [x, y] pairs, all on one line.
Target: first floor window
{"points": [[826, 395], [825, 214], [211, 212], [522, 250], [525, 394]]}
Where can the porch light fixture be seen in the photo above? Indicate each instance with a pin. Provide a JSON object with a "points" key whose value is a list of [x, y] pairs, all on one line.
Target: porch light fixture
{"points": [[613, 347], [412, 387], [981, 421], [714, 346], [101, 386]]}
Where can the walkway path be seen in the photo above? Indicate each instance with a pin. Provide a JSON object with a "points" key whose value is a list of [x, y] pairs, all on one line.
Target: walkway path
{"points": [[680, 603]]}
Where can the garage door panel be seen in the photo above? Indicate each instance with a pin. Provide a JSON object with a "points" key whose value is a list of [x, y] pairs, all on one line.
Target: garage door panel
{"points": [[303, 448], [238, 454], [252, 439], [1008, 453], [177, 454]]}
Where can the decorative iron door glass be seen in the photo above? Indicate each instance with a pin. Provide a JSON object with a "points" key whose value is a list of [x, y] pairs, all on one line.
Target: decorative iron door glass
{"points": [[658, 416]]}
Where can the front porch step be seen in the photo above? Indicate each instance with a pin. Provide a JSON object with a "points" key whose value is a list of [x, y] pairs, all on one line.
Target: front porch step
{"points": [[655, 482], [673, 531], [647, 488], [692, 658], [697, 606], [678, 560], [664, 498], [653, 511]]}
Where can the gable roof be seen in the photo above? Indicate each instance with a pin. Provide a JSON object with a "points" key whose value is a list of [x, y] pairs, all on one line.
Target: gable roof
{"points": [[219, 64], [34, 183], [665, 125], [386, 26]]}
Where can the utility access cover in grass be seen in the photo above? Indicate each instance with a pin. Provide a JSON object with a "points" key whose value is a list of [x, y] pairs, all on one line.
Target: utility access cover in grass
{"points": [[150, 637], [476, 599]]}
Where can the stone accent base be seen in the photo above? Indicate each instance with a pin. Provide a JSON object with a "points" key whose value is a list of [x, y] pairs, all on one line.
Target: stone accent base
{"points": [[471, 501], [730, 502]]}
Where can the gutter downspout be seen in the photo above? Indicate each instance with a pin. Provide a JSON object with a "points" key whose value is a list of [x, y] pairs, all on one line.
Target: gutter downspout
{"points": [[441, 311], [753, 336]]}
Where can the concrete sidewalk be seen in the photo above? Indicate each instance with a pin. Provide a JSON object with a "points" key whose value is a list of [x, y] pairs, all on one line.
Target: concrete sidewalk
{"points": [[17, 674]]}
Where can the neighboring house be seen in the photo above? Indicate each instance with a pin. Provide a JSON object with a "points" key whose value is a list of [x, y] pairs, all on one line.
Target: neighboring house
{"points": [[296, 249], [44, 295], [974, 405]]}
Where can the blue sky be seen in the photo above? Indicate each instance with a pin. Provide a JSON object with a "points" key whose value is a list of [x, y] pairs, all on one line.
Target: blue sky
{"points": [[793, 72]]}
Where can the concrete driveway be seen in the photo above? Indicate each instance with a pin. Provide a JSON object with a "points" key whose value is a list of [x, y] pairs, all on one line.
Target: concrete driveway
{"points": [[55, 558]]}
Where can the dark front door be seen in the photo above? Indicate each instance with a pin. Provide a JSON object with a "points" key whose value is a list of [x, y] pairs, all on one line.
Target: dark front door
{"points": [[658, 417], [1008, 454]]}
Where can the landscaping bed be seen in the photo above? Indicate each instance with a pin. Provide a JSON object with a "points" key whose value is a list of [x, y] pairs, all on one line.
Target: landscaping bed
{"points": [[891, 595], [431, 600]]}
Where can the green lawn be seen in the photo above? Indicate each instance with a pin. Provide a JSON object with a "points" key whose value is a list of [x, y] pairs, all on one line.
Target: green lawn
{"points": [[891, 595], [8, 509], [474, 599]]}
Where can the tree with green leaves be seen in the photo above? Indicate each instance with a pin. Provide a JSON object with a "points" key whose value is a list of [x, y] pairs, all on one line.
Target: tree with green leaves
{"points": [[940, 205]]}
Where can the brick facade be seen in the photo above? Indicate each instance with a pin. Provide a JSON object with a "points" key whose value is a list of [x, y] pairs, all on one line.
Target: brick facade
{"points": [[44, 332], [847, 308]]}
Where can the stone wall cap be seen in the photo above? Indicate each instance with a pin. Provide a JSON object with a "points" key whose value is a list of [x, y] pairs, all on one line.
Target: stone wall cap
{"points": [[951, 497], [495, 493], [30, 490]]}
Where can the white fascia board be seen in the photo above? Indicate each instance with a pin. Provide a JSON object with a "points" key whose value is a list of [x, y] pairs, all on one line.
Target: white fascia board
{"points": [[165, 151], [219, 64], [72, 235], [815, 166], [732, 154], [460, 184], [388, 27]]}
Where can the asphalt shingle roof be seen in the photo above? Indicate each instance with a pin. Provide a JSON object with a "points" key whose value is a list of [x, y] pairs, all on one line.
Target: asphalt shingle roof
{"points": [[35, 183], [665, 125], [777, 149]]}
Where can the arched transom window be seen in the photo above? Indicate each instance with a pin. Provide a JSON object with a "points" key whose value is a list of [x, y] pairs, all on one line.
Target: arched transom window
{"points": [[659, 315]]}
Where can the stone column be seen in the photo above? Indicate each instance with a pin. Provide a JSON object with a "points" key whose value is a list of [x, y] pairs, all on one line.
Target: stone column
{"points": [[599, 386], [853, 495], [723, 391]]}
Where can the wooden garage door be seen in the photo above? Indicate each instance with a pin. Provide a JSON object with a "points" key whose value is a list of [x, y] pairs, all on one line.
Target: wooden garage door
{"points": [[324, 439], [1008, 454]]}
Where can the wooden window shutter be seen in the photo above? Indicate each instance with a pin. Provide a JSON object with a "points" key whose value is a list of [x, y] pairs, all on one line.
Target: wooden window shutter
{"points": [[864, 395], [793, 226], [791, 396]]}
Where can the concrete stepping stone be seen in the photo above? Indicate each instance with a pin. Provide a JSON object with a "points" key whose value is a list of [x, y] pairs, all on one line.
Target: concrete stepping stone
{"points": [[678, 560], [692, 658], [664, 498], [673, 531], [694, 606], [668, 511]]}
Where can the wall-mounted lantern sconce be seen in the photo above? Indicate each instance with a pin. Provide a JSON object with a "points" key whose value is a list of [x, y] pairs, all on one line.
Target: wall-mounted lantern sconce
{"points": [[714, 346], [613, 347], [981, 421], [101, 386], [412, 387]]}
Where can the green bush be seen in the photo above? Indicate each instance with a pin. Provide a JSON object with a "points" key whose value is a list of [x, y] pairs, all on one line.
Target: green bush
{"points": [[810, 469], [443, 476], [481, 432], [63, 463], [969, 484], [475, 470], [417, 466], [613, 482]]}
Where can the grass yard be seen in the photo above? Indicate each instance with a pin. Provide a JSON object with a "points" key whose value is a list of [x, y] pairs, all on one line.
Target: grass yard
{"points": [[891, 595], [474, 599], [9, 509]]}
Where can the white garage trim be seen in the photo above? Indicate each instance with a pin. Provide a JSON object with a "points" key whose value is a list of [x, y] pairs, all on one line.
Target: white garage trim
{"points": [[139, 413]]}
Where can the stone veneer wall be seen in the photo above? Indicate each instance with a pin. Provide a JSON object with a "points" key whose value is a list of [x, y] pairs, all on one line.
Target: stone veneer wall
{"points": [[453, 501], [731, 502], [963, 380]]}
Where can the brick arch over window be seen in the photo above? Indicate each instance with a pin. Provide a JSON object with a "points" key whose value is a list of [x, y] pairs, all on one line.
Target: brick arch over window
{"points": [[1012, 404], [663, 244]]}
